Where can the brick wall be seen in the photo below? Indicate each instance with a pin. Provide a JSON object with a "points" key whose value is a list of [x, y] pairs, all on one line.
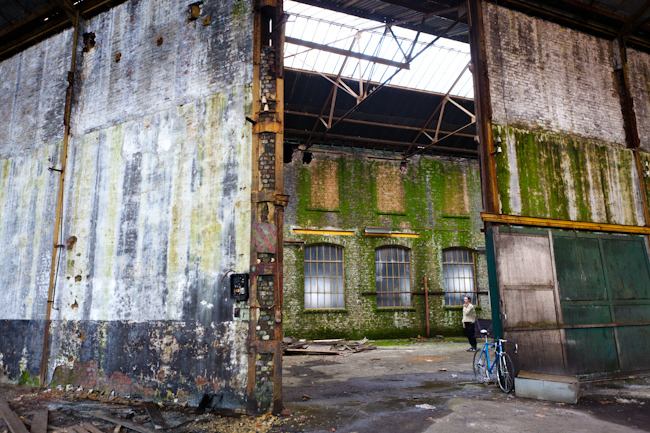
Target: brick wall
{"points": [[544, 76], [361, 182], [557, 120]]}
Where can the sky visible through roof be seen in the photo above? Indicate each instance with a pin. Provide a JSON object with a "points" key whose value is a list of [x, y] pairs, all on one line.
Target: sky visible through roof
{"points": [[435, 69]]}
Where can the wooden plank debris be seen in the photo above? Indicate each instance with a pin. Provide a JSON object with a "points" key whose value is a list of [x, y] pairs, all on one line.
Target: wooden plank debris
{"points": [[336, 346], [156, 417], [91, 428], [122, 422], [13, 421], [39, 421]]}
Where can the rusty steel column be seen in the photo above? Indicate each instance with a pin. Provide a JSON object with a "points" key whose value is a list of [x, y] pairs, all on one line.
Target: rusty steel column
{"points": [[629, 116], [58, 219], [483, 108], [268, 201]]}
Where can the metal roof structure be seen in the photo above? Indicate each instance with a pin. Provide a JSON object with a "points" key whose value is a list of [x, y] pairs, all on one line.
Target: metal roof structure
{"points": [[605, 18], [26, 22], [419, 86], [319, 40], [393, 121]]}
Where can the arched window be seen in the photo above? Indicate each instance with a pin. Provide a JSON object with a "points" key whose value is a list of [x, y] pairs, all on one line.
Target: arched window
{"points": [[459, 274], [393, 276], [324, 277]]}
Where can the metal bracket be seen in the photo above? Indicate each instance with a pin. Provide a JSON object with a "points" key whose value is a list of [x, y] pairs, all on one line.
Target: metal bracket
{"points": [[55, 169]]}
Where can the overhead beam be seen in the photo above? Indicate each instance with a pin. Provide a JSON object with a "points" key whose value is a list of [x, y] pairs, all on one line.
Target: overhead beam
{"points": [[377, 141], [564, 224], [633, 23], [33, 28], [379, 124], [346, 53]]}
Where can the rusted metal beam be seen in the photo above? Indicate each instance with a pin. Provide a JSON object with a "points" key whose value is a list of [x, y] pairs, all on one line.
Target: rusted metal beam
{"points": [[346, 53], [58, 219], [370, 123], [34, 27], [438, 107], [385, 82], [483, 108], [67, 7], [386, 142], [629, 116], [38, 14], [633, 23], [564, 224]]}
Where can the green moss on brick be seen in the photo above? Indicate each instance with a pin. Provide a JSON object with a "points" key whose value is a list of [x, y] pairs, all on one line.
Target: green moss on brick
{"points": [[424, 196], [565, 177]]}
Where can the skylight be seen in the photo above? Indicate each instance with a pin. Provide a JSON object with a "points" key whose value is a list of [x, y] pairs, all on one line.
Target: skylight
{"points": [[440, 68]]}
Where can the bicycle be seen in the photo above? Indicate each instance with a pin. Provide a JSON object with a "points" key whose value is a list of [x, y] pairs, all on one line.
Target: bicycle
{"points": [[505, 370]]}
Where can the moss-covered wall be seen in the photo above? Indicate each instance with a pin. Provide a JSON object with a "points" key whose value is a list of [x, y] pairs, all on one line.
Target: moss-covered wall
{"points": [[432, 187], [566, 177]]}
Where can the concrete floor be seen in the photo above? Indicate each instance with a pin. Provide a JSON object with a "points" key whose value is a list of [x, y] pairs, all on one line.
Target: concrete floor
{"points": [[429, 387]]}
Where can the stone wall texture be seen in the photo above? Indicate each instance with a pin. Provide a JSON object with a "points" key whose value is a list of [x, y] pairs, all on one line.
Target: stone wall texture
{"points": [[157, 194]]}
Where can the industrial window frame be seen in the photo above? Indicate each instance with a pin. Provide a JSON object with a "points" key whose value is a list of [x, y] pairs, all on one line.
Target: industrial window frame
{"points": [[393, 265], [457, 260], [319, 261]]}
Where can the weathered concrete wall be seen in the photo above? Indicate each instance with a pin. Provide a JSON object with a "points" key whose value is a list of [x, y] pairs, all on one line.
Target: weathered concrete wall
{"points": [[157, 194], [438, 198], [544, 76], [557, 119], [32, 94]]}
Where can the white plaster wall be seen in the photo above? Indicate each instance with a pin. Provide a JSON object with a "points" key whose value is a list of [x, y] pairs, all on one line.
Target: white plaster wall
{"points": [[543, 75]]}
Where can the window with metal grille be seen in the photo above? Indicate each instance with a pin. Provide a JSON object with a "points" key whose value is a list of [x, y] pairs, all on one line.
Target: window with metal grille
{"points": [[324, 276], [459, 276], [393, 276]]}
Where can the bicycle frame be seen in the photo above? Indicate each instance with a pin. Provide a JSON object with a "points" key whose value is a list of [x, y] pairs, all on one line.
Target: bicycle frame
{"points": [[498, 349]]}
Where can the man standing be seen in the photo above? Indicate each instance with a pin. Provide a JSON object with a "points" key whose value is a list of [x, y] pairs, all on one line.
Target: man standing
{"points": [[469, 318]]}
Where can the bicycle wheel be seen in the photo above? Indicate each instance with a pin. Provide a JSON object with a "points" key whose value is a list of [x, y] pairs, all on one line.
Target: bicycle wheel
{"points": [[481, 372], [505, 373]]}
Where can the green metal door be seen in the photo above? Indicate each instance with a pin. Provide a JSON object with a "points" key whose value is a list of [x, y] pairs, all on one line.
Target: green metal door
{"points": [[603, 280]]}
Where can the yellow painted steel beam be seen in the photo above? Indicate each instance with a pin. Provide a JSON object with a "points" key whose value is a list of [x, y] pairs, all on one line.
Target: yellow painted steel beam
{"points": [[393, 235], [324, 232], [564, 224]]}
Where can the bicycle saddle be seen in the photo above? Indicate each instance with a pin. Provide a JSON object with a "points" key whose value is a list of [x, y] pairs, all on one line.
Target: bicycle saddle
{"points": [[483, 331]]}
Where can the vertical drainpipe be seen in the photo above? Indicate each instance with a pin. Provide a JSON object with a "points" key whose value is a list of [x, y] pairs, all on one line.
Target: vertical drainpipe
{"points": [[483, 108], [267, 206], [58, 219]]}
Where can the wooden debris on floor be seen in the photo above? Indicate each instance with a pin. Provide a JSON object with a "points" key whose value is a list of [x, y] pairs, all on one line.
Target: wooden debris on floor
{"points": [[154, 414], [338, 346], [39, 421], [13, 421]]}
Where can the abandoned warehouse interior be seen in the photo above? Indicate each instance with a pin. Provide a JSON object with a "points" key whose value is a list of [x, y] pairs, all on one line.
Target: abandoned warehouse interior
{"points": [[183, 183]]}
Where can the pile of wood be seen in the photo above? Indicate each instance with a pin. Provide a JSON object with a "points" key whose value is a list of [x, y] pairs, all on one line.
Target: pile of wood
{"points": [[337, 346], [39, 422]]}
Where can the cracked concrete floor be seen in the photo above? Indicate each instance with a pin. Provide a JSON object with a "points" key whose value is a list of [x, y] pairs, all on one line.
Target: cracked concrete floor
{"points": [[429, 387]]}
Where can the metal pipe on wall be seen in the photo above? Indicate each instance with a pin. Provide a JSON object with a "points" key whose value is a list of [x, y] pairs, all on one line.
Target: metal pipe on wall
{"points": [[58, 219]]}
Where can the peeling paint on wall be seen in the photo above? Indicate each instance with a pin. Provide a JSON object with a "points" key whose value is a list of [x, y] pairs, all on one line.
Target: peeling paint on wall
{"points": [[157, 194]]}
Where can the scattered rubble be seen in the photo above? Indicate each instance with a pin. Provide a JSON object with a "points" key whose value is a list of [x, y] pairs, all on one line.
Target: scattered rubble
{"points": [[338, 346], [24, 409]]}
